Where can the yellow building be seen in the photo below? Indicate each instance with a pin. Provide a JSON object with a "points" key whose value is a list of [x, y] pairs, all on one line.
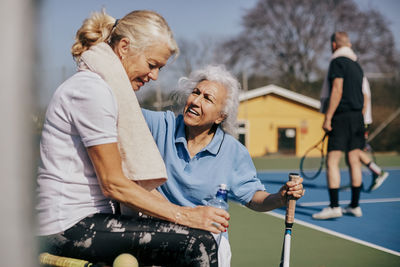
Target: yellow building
{"points": [[276, 120]]}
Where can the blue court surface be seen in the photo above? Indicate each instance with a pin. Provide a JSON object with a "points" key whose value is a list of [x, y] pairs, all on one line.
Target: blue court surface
{"points": [[379, 225]]}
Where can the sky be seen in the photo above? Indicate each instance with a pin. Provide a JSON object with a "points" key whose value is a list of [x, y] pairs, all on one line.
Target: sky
{"points": [[59, 20]]}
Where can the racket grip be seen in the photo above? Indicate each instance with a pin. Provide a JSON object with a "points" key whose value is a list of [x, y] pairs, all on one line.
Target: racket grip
{"points": [[291, 202], [58, 261]]}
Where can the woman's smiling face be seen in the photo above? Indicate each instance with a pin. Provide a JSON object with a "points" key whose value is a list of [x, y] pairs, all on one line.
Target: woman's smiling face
{"points": [[143, 66], [205, 104]]}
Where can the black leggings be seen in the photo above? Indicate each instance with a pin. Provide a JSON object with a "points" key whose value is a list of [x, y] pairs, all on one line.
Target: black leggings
{"points": [[102, 237]]}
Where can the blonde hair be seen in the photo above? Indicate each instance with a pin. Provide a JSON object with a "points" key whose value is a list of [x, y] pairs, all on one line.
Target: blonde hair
{"points": [[143, 28]]}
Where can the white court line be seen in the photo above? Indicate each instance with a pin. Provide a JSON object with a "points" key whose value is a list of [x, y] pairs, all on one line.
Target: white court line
{"points": [[325, 203], [325, 230]]}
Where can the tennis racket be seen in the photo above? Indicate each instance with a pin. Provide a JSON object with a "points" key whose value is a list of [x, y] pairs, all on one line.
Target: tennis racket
{"points": [[289, 219], [47, 259], [312, 162]]}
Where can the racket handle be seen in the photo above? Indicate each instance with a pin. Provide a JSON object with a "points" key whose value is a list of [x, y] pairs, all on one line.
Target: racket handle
{"points": [[58, 261], [291, 203]]}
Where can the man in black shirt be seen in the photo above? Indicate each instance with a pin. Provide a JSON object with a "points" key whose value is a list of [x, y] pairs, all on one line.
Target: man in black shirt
{"points": [[344, 123]]}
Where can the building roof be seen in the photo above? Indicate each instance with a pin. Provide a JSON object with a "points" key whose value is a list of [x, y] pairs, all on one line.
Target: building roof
{"points": [[273, 89]]}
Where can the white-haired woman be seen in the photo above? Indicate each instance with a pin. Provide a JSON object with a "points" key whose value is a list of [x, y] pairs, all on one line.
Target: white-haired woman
{"points": [[89, 158], [200, 152]]}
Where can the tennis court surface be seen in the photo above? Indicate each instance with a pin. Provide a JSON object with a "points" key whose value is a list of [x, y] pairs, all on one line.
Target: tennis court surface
{"points": [[371, 240], [377, 227]]}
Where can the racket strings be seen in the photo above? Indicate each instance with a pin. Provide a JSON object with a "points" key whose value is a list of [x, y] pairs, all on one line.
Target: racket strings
{"points": [[312, 162]]}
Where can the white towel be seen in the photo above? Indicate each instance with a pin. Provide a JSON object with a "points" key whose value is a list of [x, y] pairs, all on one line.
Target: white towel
{"points": [[344, 51], [141, 160], [368, 108]]}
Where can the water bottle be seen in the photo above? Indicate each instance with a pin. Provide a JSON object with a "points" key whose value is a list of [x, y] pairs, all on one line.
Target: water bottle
{"points": [[220, 201], [221, 198]]}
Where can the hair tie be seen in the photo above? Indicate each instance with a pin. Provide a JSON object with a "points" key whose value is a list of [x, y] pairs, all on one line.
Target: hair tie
{"points": [[115, 24]]}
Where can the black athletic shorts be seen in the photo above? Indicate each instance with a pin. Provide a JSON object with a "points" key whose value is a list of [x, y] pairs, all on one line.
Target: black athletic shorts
{"points": [[347, 132]]}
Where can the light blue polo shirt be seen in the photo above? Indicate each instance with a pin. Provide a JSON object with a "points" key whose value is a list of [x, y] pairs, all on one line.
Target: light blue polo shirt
{"points": [[194, 181]]}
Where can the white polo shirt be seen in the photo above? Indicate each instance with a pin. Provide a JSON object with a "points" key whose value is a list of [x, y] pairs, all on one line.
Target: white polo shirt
{"points": [[83, 112]]}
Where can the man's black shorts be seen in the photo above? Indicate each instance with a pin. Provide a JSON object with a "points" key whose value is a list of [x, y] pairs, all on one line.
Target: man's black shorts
{"points": [[347, 131]]}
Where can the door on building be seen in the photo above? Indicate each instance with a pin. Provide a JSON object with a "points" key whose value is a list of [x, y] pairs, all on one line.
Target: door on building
{"points": [[287, 141], [242, 132]]}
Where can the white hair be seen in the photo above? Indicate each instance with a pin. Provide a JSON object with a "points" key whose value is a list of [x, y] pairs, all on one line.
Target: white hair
{"points": [[219, 74]]}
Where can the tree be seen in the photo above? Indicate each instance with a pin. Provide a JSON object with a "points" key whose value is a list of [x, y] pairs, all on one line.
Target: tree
{"points": [[197, 54], [289, 40]]}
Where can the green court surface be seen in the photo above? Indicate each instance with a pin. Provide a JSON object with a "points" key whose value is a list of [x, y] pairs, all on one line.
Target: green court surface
{"points": [[292, 163], [256, 240]]}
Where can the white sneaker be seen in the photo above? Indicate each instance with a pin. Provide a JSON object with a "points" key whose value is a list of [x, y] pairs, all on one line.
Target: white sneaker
{"points": [[328, 213], [356, 212], [378, 181]]}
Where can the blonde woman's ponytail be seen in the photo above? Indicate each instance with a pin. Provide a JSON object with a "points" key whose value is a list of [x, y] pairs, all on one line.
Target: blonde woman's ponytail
{"points": [[95, 29], [143, 28]]}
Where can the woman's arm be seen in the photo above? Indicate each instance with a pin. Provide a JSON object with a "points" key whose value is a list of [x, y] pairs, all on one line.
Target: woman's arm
{"points": [[158, 194], [263, 201], [107, 164]]}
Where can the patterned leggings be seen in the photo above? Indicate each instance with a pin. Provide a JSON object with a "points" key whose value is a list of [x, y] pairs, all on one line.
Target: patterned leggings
{"points": [[102, 237]]}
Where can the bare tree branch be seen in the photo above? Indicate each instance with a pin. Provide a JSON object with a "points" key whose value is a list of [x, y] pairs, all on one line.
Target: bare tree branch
{"points": [[290, 39]]}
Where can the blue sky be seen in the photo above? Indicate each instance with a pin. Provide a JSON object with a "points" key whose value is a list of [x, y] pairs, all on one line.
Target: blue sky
{"points": [[59, 20], [189, 19]]}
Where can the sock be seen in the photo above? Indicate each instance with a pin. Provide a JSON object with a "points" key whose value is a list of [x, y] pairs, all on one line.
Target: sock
{"points": [[334, 197], [374, 168], [355, 196]]}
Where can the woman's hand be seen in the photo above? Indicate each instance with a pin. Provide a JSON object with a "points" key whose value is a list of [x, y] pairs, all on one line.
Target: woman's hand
{"points": [[263, 201], [203, 217], [292, 188]]}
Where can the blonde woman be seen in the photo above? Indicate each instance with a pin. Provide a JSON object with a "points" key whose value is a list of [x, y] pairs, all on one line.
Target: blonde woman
{"points": [[89, 161]]}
